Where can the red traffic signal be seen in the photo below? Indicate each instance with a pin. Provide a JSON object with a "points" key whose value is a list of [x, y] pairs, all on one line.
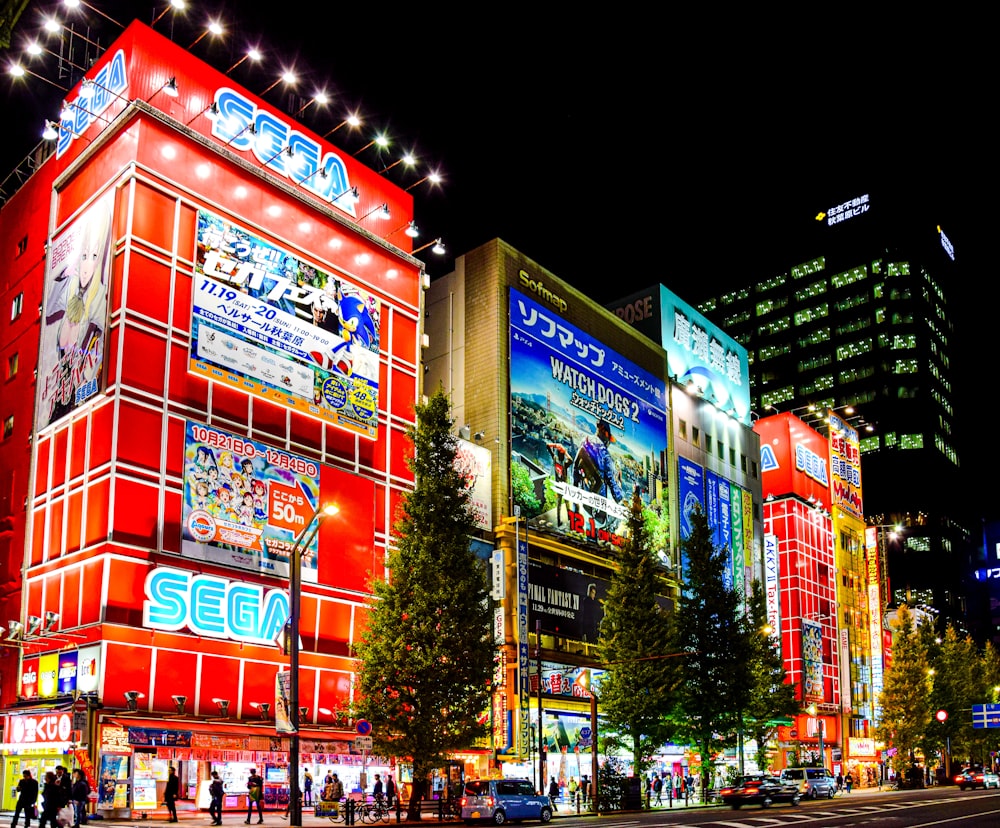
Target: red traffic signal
{"points": [[941, 715]]}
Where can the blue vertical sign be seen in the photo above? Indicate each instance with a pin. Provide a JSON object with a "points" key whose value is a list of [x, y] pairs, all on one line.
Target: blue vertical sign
{"points": [[523, 679]]}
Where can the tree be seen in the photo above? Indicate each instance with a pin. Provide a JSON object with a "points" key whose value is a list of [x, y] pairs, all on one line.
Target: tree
{"points": [[633, 645], [708, 630], [426, 658], [958, 683], [768, 697], [906, 692]]}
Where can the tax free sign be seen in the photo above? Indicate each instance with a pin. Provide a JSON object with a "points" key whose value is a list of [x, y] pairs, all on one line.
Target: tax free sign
{"points": [[212, 606]]}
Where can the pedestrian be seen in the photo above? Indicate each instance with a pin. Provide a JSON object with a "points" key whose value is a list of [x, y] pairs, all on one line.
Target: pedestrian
{"points": [[584, 788], [390, 790], [553, 792], [27, 796], [51, 797], [171, 792], [64, 792], [80, 797], [215, 790], [848, 781], [377, 792], [658, 789], [573, 790], [255, 794], [307, 787], [840, 782]]}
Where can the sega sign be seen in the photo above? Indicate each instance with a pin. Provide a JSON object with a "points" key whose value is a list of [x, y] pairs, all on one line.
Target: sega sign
{"points": [[212, 606]]}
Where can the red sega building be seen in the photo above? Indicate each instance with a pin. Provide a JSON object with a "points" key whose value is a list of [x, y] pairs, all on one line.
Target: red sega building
{"points": [[800, 576], [227, 336]]}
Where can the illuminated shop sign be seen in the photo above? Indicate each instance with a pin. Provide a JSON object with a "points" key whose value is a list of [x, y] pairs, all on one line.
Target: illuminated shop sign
{"points": [[845, 466], [843, 212], [588, 427], [241, 126], [811, 464], [874, 618], [475, 464], [212, 606], [269, 323], [949, 248], [109, 84], [771, 585], [39, 728]]}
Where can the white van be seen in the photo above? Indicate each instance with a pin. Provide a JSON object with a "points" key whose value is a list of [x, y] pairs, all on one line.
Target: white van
{"points": [[812, 782]]}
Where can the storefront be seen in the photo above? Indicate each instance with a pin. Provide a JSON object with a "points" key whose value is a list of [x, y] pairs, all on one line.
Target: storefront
{"points": [[37, 741], [135, 755]]}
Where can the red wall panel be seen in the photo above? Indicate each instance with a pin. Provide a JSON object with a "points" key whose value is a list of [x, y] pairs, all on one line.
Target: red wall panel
{"points": [[144, 361], [153, 220], [176, 674], [149, 284], [98, 500], [135, 516], [127, 668]]}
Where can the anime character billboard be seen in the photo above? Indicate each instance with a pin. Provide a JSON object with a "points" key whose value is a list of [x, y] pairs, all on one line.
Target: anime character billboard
{"points": [[75, 314], [588, 428], [245, 503], [267, 322]]}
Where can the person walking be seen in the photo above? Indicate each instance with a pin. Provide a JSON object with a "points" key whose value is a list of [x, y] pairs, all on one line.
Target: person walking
{"points": [[171, 792], [553, 792], [215, 790], [657, 789], [51, 797], [848, 782], [390, 790], [377, 792], [27, 796], [80, 797], [584, 787], [307, 788], [65, 791], [255, 794]]}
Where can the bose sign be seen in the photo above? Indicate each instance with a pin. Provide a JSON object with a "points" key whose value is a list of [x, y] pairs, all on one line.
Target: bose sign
{"points": [[212, 606]]}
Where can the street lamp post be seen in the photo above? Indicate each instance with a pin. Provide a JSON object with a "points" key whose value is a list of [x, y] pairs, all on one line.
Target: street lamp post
{"points": [[294, 609]]}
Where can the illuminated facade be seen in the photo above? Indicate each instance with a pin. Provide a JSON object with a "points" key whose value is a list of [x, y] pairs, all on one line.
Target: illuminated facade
{"points": [[867, 324], [553, 386], [226, 337]]}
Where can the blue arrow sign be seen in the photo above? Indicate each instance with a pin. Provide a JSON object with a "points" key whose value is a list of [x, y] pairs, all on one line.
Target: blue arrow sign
{"points": [[985, 715]]}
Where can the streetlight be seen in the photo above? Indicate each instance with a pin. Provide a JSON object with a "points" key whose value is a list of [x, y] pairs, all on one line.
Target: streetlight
{"points": [[294, 607], [812, 710]]}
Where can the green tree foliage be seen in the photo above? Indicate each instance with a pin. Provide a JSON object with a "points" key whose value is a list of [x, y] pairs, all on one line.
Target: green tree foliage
{"points": [[635, 691], [768, 697], [708, 630], [906, 694], [958, 682], [426, 658], [523, 490]]}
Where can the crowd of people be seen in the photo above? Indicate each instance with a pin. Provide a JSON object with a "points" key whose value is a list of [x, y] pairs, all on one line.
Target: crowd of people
{"points": [[64, 798]]}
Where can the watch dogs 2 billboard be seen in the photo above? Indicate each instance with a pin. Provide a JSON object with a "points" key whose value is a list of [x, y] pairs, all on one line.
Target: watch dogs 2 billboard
{"points": [[588, 428]]}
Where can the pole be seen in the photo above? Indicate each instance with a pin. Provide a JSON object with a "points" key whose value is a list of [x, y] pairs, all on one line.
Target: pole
{"points": [[593, 747], [541, 733], [294, 611], [819, 733]]}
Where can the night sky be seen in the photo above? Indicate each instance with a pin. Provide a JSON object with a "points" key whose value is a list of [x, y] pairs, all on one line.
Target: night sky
{"points": [[620, 150]]}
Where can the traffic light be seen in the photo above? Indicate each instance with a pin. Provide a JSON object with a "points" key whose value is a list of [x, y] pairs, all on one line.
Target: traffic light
{"points": [[941, 716]]}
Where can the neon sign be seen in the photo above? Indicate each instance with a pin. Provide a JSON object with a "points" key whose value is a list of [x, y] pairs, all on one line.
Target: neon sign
{"points": [[212, 606], [81, 112]]}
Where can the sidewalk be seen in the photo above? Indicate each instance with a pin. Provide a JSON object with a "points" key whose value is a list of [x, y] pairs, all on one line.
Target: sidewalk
{"points": [[195, 817]]}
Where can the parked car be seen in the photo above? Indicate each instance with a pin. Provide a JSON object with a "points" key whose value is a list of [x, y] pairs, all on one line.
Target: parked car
{"points": [[759, 790], [811, 782], [500, 800], [970, 778]]}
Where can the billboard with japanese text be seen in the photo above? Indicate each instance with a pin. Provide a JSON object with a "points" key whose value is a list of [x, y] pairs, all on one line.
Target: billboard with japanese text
{"points": [[74, 315], [245, 502], [845, 466], [269, 323], [588, 428]]}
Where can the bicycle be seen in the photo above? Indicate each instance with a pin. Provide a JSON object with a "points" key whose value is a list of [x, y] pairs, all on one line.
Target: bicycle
{"points": [[374, 811]]}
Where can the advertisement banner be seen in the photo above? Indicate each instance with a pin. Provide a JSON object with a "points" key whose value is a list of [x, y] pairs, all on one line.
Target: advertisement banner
{"points": [[523, 669], [282, 691], [772, 574], [691, 497], [588, 428], [88, 669], [114, 788], [794, 458], [245, 503], [39, 728], [268, 323], [845, 466], [738, 557], [48, 675], [812, 660], [66, 679], [566, 680], [29, 678], [874, 617], [74, 318], [566, 602], [566, 732], [475, 464]]}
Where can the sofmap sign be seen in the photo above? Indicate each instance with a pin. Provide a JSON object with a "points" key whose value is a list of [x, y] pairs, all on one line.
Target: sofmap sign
{"points": [[212, 606]]}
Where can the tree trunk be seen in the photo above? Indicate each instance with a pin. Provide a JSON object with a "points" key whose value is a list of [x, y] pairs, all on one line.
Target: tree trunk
{"points": [[417, 791]]}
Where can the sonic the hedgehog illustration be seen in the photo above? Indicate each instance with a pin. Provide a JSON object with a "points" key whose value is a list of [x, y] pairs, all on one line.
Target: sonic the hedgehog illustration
{"points": [[357, 321]]}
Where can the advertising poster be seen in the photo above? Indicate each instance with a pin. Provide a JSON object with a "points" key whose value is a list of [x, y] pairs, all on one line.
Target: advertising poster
{"points": [[267, 322], [736, 509], [48, 675], [114, 789], [66, 679], [475, 464], [691, 497], [845, 466], [75, 314], [88, 669], [567, 680], [245, 503], [566, 732], [812, 660], [588, 428], [282, 690], [566, 602], [144, 782]]}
